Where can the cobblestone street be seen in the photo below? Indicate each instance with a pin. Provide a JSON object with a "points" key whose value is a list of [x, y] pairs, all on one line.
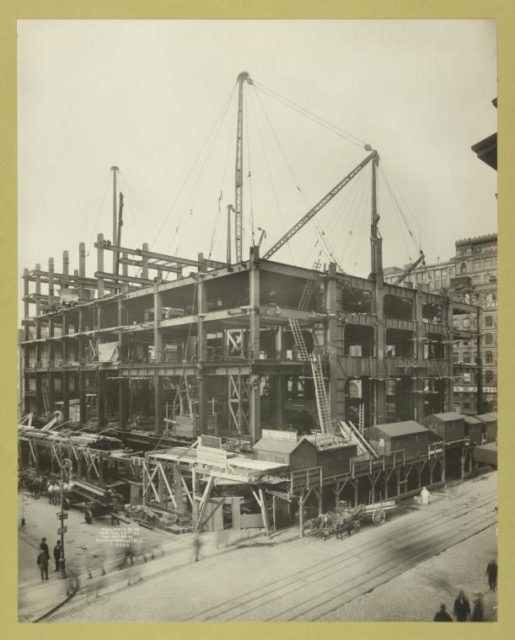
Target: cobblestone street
{"points": [[402, 570]]}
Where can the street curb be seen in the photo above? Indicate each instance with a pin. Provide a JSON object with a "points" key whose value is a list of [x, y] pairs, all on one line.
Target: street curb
{"points": [[57, 606]]}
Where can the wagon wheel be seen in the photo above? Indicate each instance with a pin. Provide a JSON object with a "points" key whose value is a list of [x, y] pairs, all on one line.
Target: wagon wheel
{"points": [[378, 517]]}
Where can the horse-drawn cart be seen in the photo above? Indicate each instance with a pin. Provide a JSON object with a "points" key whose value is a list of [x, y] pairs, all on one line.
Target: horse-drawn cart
{"points": [[347, 520]]}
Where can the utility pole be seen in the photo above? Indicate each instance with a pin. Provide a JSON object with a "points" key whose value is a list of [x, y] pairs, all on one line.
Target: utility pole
{"points": [[62, 515], [115, 170], [242, 78]]}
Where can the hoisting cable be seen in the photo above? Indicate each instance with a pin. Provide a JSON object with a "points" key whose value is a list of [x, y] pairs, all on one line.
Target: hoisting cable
{"points": [[295, 181], [308, 114], [100, 207], [249, 176], [194, 189], [397, 204], [271, 180], [138, 203], [347, 200], [221, 114], [353, 220]]}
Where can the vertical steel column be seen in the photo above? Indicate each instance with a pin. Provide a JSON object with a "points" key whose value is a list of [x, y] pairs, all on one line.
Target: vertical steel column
{"points": [[115, 170], [38, 289], [51, 288], [123, 385], [100, 264], [332, 338], [82, 269], [254, 345], [420, 335], [202, 355], [158, 400]]}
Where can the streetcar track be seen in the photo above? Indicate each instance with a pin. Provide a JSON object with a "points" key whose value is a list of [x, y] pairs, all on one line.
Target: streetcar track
{"points": [[426, 553], [262, 596], [337, 569], [321, 567]]}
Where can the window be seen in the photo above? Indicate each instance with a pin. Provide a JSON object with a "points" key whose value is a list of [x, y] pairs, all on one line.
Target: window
{"points": [[489, 339], [463, 268], [489, 357], [489, 321], [489, 376], [466, 358]]}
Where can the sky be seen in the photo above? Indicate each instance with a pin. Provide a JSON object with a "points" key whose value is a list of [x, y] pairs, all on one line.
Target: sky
{"points": [[158, 99]]}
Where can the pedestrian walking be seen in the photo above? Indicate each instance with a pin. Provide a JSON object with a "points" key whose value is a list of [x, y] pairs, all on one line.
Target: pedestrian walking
{"points": [[491, 572], [44, 547], [461, 608], [42, 563], [57, 554], [424, 496], [479, 610], [441, 615], [197, 544]]}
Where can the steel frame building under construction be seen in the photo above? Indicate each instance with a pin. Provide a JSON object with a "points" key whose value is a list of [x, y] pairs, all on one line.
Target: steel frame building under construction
{"points": [[230, 349]]}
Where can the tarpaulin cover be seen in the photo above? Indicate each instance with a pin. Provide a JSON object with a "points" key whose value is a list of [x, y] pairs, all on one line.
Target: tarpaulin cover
{"points": [[108, 352]]}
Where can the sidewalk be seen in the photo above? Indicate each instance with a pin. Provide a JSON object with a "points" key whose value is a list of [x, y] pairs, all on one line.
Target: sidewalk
{"points": [[95, 554]]}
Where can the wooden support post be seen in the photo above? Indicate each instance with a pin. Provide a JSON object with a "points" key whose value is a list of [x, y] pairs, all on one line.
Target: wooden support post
{"points": [[194, 496], [320, 500], [301, 513], [178, 490], [264, 510], [356, 491], [274, 523]]}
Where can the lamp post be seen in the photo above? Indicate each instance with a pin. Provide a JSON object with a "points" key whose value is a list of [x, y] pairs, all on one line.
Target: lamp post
{"points": [[66, 466]]}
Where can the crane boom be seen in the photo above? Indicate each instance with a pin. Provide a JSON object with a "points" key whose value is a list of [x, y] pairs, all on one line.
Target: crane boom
{"points": [[411, 268], [312, 212]]}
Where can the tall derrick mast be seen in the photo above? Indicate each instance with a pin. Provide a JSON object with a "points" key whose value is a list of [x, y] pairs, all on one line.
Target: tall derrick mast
{"points": [[242, 78]]}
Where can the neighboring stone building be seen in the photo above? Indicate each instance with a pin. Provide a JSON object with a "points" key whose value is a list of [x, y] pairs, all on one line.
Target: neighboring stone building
{"points": [[471, 277]]}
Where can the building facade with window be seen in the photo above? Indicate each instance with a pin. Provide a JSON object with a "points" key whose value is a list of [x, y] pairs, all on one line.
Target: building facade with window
{"points": [[471, 277]]}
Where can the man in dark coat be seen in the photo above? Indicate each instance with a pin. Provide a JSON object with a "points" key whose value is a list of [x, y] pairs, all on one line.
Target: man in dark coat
{"points": [[57, 554], [42, 562], [479, 610], [442, 615], [491, 572], [461, 607], [44, 547]]}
